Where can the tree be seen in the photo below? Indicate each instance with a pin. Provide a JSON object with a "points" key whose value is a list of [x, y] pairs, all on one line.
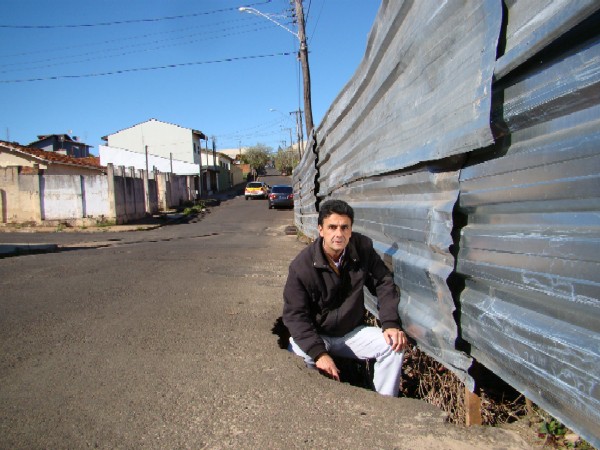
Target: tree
{"points": [[286, 160], [257, 156]]}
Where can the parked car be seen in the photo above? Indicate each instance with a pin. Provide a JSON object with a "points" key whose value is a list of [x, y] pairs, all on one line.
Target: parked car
{"points": [[282, 195], [256, 189]]}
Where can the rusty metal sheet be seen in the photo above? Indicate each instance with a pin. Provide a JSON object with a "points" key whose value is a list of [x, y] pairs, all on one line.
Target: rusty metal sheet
{"points": [[531, 255], [421, 93], [534, 25]]}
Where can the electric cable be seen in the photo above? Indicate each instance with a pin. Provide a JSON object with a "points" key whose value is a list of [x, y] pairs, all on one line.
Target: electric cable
{"points": [[143, 69], [126, 22], [72, 60], [121, 40]]}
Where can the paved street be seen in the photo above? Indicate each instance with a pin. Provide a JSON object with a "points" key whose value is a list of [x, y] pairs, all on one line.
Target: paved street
{"points": [[163, 339]]}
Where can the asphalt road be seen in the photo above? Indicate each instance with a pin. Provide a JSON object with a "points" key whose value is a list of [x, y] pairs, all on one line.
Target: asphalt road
{"points": [[163, 339]]}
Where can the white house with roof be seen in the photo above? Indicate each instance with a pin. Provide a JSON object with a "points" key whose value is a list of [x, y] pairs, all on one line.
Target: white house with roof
{"points": [[165, 147], [162, 139]]}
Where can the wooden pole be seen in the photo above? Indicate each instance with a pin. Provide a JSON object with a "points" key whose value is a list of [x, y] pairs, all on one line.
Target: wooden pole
{"points": [[303, 53], [472, 408]]}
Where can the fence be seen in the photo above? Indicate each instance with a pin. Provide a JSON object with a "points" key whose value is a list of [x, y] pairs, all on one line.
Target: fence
{"points": [[120, 196], [467, 143]]}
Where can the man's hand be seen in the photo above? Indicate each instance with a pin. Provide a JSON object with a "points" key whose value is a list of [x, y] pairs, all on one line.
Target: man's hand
{"points": [[396, 339], [325, 364]]}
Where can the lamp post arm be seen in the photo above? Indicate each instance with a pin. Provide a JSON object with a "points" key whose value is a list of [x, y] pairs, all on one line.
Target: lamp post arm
{"points": [[266, 16], [303, 55]]}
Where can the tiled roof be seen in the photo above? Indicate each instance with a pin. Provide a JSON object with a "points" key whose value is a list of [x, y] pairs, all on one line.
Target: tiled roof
{"points": [[53, 157]]}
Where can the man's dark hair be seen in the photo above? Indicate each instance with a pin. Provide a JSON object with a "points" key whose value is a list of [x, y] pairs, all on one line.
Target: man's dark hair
{"points": [[335, 207]]}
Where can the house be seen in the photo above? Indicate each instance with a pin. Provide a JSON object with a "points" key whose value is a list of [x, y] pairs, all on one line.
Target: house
{"points": [[35, 160], [234, 153], [227, 174], [161, 139], [48, 188], [62, 143], [230, 174], [165, 147], [38, 187]]}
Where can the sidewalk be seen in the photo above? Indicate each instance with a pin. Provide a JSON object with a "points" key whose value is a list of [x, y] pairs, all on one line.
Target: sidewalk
{"points": [[155, 221]]}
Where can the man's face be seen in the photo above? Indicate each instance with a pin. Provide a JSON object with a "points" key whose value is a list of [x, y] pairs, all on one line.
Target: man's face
{"points": [[335, 231]]}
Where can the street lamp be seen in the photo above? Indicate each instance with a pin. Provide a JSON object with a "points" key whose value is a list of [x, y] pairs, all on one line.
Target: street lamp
{"points": [[303, 53], [268, 17]]}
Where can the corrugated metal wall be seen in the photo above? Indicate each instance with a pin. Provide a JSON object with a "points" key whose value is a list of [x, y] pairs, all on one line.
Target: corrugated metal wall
{"points": [[468, 144], [531, 249]]}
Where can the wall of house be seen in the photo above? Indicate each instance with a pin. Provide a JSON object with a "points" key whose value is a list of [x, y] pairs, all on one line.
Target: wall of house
{"points": [[8, 159], [118, 196], [128, 158], [73, 196], [122, 157], [65, 169], [129, 193], [224, 178], [237, 177], [163, 139], [174, 191], [19, 196]]}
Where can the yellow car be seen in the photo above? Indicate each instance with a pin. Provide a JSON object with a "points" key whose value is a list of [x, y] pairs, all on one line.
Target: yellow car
{"points": [[256, 189]]}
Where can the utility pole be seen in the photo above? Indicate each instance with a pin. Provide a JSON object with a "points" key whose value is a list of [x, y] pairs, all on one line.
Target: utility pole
{"points": [[200, 171], [299, 131], [291, 141], [303, 53], [147, 184], [217, 172]]}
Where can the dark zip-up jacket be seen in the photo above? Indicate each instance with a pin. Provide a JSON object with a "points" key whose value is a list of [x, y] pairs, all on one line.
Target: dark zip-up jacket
{"points": [[318, 301]]}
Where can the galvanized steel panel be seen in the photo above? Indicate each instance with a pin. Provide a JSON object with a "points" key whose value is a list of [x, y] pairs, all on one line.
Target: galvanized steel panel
{"points": [[553, 364], [531, 252], [393, 144], [305, 201], [421, 93], [569, 84], [534, 25], [409, 218]]}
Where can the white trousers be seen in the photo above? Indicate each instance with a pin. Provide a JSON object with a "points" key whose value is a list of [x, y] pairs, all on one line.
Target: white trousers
{"points": [[364, 343]]}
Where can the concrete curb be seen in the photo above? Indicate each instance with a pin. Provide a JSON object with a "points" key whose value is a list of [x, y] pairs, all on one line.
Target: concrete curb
{"points": [[23, 249]]}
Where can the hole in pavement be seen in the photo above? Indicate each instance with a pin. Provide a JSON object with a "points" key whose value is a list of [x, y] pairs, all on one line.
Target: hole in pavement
{"points": [[355, 372]]}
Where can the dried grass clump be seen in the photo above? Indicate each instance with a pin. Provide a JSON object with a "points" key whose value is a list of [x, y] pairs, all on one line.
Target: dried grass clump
{"points": [[426, 379]]}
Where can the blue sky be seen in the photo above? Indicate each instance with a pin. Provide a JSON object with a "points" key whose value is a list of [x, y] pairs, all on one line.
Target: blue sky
{"points": [[200, 64]]}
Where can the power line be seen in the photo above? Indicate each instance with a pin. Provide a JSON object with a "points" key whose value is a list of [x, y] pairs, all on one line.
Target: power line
{"points": [[121, 40], [125, 22], [93, 55], [251, 131], [316, 23], [142, 69]]}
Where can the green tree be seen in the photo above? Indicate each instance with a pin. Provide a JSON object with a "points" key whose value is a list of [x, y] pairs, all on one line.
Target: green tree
{"points": [[286, 160], [257, 156]]}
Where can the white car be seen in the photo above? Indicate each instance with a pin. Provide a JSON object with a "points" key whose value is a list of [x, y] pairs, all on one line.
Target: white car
{"points": [[256, 189]]}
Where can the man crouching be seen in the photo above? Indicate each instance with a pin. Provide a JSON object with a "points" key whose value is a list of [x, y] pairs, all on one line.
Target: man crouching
{"points": [[324, 302]]}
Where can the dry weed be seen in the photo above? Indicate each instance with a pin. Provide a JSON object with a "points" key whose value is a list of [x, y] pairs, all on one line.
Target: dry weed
{"points": [[425, 378]]}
